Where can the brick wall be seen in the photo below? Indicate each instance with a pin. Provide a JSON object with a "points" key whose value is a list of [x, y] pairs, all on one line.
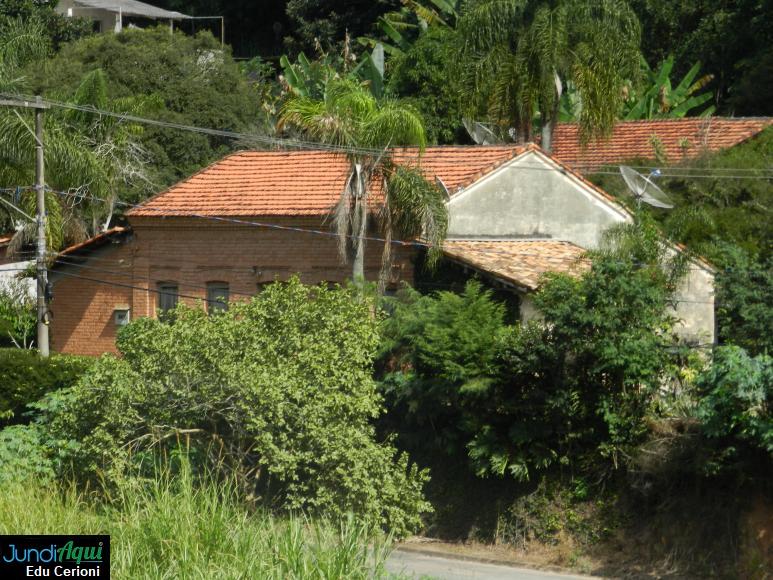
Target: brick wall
{"points": [[191, 253]]}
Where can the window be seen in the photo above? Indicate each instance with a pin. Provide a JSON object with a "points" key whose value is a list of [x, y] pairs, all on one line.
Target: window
{"points": [[217, 296], [168, 294]]}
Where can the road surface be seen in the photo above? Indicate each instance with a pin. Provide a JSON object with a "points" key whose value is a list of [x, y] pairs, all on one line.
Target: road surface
{"points": [[423, 566]]}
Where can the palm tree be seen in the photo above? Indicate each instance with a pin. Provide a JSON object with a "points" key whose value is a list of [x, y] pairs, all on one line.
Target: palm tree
{"points": [[92, 154], [350, 117], [113, 142], [517, 55], [21, 42], [69, 162]]}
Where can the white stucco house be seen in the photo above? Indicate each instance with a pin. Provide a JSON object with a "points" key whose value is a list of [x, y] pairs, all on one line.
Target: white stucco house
{"points": [[113, 15]]}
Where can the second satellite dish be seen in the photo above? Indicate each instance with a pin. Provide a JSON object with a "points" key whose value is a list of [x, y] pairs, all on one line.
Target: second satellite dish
{"points": [[644, 189]]}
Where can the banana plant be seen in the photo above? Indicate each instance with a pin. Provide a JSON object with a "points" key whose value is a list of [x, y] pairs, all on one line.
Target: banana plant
{"points": [[307, 78], [404, 26], [660, 99]]}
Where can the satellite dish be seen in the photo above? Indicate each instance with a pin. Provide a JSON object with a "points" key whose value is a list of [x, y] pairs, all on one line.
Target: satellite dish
{"points": [[644, 189], [481, 134]]}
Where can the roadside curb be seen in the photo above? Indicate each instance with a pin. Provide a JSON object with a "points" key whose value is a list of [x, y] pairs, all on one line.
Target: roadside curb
{"points": [[414, 549]]}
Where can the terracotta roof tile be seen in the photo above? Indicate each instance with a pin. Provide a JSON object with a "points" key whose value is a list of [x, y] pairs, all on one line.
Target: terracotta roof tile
{"points": [[96, 241], [521, 262], [252, 183], [680, 138]]}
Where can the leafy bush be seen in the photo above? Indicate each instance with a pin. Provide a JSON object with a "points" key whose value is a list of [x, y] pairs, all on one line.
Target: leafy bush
{"points": [[744, 285], [735, 396], [23, 456], [571, 389], [26, 377], [277, 391], [17, 314]]}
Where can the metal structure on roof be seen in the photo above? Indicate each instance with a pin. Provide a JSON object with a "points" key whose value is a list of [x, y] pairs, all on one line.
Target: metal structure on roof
{"points": [[131, 8]]}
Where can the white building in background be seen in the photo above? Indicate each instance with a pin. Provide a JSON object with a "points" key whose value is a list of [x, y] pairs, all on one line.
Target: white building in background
{"points": [[10, 280], [113, 15]]}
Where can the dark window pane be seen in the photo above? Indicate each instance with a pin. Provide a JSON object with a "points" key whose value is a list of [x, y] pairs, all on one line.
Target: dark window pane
{"points": [[217, 296], [167, 296]]}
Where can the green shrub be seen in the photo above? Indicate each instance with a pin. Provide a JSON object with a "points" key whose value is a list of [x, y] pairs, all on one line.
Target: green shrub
{"points": [[25, 377], [23, 455], [17, 314], [575, 388], [735, 395], [278, 391]]}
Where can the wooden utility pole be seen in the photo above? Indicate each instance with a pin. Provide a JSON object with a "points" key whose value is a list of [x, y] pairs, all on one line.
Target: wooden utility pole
{"points": [[40, 190]]}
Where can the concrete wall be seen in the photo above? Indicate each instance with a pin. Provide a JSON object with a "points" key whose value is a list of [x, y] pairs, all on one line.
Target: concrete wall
{"points": [[695, 309], [109, 21], [529, 198], [192, 253]]}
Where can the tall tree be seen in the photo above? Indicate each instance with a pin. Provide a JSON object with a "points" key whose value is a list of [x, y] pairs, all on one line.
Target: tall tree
{"points": [[517, 55], [69, 161], [325, 22], [349, 116]]}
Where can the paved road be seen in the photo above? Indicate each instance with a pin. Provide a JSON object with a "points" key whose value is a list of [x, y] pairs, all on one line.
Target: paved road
{"points": [[423, 566]]}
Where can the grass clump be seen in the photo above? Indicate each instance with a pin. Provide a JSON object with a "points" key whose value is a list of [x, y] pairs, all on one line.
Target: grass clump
{"points": [[177, 527]]}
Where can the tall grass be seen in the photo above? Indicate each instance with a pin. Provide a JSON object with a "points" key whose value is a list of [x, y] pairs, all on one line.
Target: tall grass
{"points": [[171, 527]]}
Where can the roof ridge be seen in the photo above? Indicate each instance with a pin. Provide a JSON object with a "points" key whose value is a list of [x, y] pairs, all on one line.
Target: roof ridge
{"points": [[678, 120]]}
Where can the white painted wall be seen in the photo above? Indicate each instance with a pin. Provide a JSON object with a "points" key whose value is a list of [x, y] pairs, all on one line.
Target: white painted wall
{"points": [[108, 20], [9, 272], [532, 197]]}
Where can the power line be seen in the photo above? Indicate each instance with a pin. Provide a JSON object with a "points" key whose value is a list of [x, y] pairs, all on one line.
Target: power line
{"points": [[264, 140], [311, 145], [190, 296], [132, 276], [329, 234]]}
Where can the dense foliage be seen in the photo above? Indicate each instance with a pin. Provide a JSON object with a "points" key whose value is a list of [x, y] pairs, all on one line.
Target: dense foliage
{"points": [[26, 377], [57, 29], [17, 314], [726, 220], [569, 390], [420, 76], [734, 405], [277, 391], [196, 82], [731, 39]]}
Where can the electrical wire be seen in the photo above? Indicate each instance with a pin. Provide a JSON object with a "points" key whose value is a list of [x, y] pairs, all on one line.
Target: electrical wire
{"points": [[328, 234], [264, 140], [249, 295], [320, 146]]}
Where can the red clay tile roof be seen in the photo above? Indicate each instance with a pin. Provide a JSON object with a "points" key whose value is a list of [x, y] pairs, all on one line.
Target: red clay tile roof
{"points": [[633, 139], [521, 262], [252, 183], [96, 241]]}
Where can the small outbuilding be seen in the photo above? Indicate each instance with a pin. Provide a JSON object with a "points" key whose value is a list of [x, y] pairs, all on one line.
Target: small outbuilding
{"points": [[114, 15]]}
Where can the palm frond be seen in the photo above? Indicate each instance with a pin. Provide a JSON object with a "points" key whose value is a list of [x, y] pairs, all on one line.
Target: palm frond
{"points": [[21, 42], [487, 23], [416, 208], [393, 125]]}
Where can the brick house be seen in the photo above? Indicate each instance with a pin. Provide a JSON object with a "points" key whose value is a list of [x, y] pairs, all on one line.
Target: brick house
{"points": [[258, 216]]}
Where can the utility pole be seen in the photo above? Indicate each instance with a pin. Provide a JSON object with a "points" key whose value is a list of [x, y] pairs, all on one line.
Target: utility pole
{"points": [[40, 190], [40, 186]]}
